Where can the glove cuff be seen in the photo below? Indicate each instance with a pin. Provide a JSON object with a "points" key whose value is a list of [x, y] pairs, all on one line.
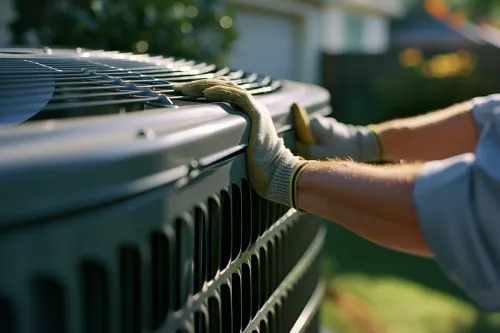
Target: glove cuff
{"points": [[283, 186], [294, 180], [371, 148], [379, 146], [279, 189]]}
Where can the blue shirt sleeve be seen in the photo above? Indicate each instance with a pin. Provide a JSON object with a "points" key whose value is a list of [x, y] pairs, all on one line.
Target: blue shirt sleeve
{"points": [[457, 202], [484, 109]]}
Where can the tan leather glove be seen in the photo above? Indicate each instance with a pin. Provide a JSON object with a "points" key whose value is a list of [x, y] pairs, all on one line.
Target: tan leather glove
{"points": [[271, 166], [323, 138]]}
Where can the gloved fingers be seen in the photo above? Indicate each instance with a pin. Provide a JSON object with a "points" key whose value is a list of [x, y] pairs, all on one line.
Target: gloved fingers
{"points": [[235, 95], [196, 88], [322, 128], [302, 124]]}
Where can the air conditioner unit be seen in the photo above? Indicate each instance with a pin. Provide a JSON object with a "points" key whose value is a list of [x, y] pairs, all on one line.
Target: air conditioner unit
{"points": [[125, 207]]}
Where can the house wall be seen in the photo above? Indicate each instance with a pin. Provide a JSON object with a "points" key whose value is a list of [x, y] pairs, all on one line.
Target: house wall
{"points": [[353, 31], [278, 38], [286, 38], [6, 15], [266, 44]]}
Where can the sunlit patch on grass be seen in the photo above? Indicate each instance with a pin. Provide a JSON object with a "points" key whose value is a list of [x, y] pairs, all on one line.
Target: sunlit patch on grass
{"points": [[395, 305]]}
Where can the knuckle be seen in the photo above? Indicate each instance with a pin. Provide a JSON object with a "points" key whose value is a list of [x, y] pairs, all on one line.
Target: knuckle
{"points": [[315, 122]]}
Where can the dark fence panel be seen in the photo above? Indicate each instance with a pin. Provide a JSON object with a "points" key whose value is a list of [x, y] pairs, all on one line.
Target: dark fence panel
{"points": [[373, 88]]}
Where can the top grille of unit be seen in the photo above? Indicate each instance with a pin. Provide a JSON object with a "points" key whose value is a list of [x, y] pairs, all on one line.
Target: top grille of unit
{"points": [[55, 84]]}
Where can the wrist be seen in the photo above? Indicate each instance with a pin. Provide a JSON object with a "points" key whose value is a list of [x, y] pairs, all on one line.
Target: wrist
{"points": [[284, 180]]}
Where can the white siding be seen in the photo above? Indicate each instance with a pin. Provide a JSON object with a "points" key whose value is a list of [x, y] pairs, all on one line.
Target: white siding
{"points": [[6, 16], [266, 44], [346, 30]]}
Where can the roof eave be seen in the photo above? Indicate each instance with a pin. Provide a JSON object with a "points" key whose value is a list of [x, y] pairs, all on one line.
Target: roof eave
{"points": [[392, 8]]}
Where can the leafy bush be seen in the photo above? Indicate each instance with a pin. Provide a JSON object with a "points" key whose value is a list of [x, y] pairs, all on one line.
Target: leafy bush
{"points": [[194, 29]]}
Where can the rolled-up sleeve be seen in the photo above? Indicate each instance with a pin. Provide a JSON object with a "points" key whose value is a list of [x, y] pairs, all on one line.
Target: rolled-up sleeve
{"points": [[484, 109], [457, 202]]}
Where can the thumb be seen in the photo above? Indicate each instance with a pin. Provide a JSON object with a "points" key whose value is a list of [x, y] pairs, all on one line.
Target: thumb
{"points": [[302, 124]]}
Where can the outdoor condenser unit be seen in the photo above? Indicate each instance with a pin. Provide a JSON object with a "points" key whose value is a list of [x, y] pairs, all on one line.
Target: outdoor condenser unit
{"points": [[125, 207]]}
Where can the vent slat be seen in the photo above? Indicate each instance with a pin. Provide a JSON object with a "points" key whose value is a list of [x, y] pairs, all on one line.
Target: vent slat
{"points": [[227, 311], [63, 106], [49, 306], [8, 320], [107, 94], [162, 281], [236, 301], [214, 315], [130, 289], [95, 298], [102, 87], [51, 83]]}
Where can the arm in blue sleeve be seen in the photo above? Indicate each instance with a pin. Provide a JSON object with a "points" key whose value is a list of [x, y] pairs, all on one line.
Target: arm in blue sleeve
{"points": [[457, 201], [485, 109]]}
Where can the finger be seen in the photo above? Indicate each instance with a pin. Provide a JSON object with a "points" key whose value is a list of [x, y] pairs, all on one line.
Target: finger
{"points": [[322, 128], [302, 124], [178, 87], [196, 88], [235, 95]]}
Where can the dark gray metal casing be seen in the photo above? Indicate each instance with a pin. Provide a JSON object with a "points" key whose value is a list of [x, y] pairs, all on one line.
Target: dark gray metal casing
{"points": [[145, 222]]}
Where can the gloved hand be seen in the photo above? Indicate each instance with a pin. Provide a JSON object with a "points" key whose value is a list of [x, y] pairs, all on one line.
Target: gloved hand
{"points": [[271, 166], [322, 138]]}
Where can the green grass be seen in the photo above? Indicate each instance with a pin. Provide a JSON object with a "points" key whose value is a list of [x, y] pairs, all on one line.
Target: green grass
{"points": [[404, 306], [405, 293]]}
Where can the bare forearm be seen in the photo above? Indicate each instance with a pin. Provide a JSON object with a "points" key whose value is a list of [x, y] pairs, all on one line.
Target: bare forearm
{"points": [[372, 201], [433, 136]]}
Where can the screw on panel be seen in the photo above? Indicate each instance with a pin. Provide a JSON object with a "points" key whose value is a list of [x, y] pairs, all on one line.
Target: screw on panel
{"points": [[194, 169], [147, 133]]}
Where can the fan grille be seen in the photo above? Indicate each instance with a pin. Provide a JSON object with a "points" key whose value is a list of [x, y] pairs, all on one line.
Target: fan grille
{"points": [[58, 85]]}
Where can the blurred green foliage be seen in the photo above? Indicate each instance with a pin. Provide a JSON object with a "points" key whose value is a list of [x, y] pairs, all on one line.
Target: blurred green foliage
{"points": [[194, 29], [478, 10]]}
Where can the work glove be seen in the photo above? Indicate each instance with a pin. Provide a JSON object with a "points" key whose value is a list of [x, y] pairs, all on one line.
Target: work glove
{"points": [[272, 168], [323, 138]]}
